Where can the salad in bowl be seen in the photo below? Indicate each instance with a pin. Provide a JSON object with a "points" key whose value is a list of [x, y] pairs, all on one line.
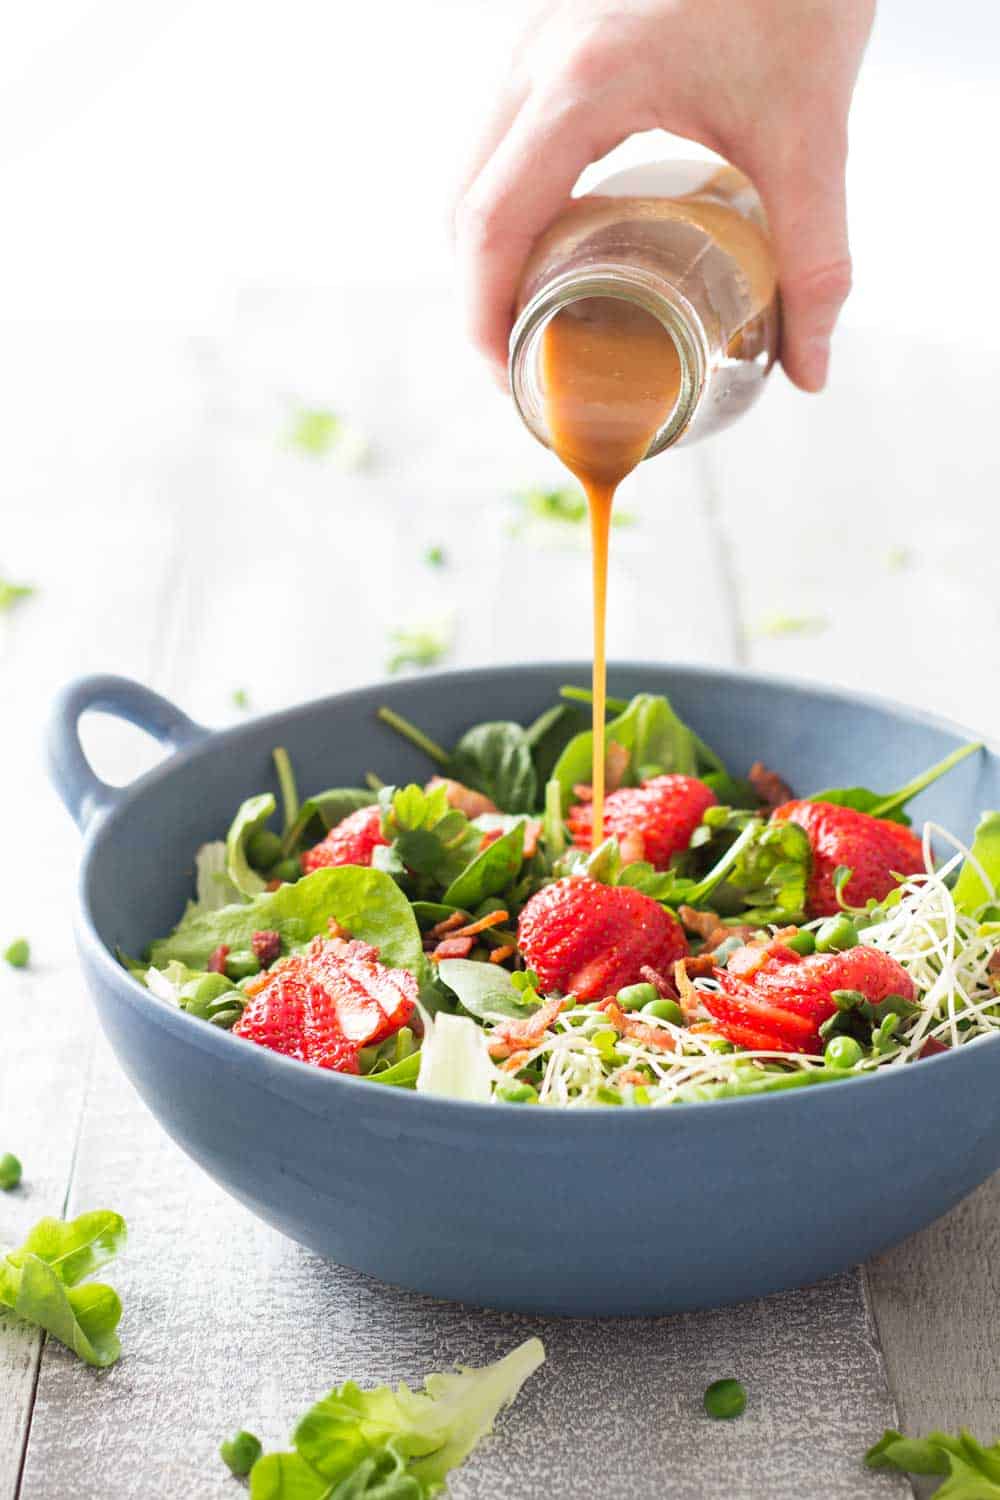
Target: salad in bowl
{"points": [[473, 936]]}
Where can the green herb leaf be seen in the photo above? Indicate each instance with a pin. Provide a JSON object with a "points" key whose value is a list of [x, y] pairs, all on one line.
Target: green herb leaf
{"points": [[972, 1470], [13, 593], [39, 1282], [250, 819], [390, 1444], [495, 758], [971, 894], [489, 872], [366, 903], [418, 645]]}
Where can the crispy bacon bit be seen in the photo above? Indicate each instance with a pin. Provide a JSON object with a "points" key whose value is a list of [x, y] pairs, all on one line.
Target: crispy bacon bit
{"points": [[768, 785], [632, 1075], [687, 996], [993, 969], [516, 1062], [449, 924], [639, 1031], [473, 804], [698, 965], [701, 923], [217, 960], [266, 946], [616, 759], [273, 885], [932, 1047], [632, 847], [492, 919], [501, 955], [515, 1036], [532, 833], [453, 947], [489, 837], [335, 930], [663, 986], [583, 791]]}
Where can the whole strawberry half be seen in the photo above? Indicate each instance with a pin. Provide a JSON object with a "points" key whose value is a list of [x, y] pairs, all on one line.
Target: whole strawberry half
{"points": [[773, 999], [350, 843], [588, 939], [873, 848], [322, 1005], [665, 811]]}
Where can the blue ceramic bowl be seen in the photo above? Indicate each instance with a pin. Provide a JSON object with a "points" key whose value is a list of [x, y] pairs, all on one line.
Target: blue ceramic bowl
{"points": [[593, 1211]]}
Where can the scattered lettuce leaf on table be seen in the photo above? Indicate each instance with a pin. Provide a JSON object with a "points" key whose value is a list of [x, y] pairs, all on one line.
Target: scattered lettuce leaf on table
{"points": [[393, 1444], [39, 1282], [972, 1471]]}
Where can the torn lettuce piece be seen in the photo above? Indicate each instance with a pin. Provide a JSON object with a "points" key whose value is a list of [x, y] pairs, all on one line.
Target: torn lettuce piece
{"points": [[251, 818], [39, 1283], [454, 1060]]}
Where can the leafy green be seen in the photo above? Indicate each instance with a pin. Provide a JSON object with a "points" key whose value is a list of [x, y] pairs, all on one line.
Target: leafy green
{"points": [[387, 1444], [496, 759], [408, 731], [213, 887], [250, 819], [454, 1060], [13, 593], [872, 1023], [240, 1452], [657, 740], [972, 1470], [418, 645], [39, 1282], [326, 810], [287, 785], [484, 990], [319, 432], [366, 903], [563, 507], [890, 806], [771, 873], [428, 838], [970, 893], [489, 872], [401, 1075]]}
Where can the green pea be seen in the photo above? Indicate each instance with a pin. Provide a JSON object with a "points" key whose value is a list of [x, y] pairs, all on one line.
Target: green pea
{"points": [[836, 934], [636, 996], [240, 1453], [10, 1172], [517, 1093], [604, 1094], [263, 849], [287, 870], [241, 966], [719, 1044], [725, 1399], [843, 1052], [664, 1010], [18, 954], [803, 942]]}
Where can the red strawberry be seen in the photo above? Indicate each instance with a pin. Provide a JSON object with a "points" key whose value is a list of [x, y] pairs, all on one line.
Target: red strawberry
{"points": [[665, 811], [873, 848], [324, 1004], [588, 939], [350, 843], [776, 1000], [295, 1015]]}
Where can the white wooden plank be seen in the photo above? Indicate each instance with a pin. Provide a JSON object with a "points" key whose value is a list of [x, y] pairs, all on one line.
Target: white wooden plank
{"points": [[227, 1324]]}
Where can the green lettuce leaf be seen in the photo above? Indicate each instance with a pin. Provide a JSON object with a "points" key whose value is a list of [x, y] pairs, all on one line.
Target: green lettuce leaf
{"points": [[390, 1444], [972, 1470], [970, 893], [486, 991], [366, 903], [39, 1282], [250, 819], [213, 887], [455, 1061], [495, 758]]}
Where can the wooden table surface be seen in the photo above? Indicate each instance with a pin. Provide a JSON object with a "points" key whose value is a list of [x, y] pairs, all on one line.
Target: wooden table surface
{"points": [[146, 489]]}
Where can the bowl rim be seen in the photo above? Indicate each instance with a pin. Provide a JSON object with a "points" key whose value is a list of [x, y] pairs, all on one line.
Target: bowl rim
{"points": [[283, 1071]]}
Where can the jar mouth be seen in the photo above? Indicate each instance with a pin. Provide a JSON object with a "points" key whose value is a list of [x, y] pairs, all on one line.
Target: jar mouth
{"points": [[629, 284]]}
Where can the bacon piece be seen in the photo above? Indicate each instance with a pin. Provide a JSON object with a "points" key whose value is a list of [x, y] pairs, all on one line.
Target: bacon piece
{"points": [[769, 786], [266, 946], [632, 847], [663, 986], [639, 1031], [517, 1036], [500, 955], [698, 966], [516, 1062], [489, 837], [632, 1075], [453, 947], [472, 803], [687, 996], [492, 919], [217, 960], [532, 833], [453, 920], [701, 923]]}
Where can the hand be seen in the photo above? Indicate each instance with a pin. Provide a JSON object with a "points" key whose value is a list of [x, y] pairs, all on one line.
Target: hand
{"points": [[766, 83]]}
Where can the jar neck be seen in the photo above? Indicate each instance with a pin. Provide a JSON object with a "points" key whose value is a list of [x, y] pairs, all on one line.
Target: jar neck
{"points": [[633, 284]]}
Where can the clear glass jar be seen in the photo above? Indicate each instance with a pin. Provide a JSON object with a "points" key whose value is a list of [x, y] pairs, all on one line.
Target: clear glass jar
{"points": [[686, 241]]}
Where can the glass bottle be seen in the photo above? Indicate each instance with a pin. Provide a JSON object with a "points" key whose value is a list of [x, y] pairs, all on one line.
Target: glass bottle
{"points": [[687, 242]]}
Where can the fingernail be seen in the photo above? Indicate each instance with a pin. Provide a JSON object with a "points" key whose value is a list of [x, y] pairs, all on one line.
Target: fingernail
{"points": [[815, 363]]}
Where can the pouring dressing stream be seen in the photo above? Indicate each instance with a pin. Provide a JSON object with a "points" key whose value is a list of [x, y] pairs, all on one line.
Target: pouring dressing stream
{"points": [[648, 314]]}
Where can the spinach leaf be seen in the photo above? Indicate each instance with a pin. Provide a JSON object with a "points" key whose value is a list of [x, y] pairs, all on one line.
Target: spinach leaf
{"points": [[489, 872], [250, 819], [38, 1282], [484, 989], [970, 893], [366, 903], [890, 806], [495, 758], [549, 735], [325, 810], [392, 1444]]}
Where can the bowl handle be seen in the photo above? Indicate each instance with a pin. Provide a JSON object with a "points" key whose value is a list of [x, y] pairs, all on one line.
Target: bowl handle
{"points": [[83, 792]]}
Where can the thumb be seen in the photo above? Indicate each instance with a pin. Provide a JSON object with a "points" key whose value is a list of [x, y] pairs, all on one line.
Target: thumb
{"points": [[807, 210]]}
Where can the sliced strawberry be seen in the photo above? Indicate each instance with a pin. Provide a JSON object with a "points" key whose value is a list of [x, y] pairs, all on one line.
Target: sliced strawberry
{"points": [[664, 811], [351, 842], [589, 939], [294, 1015], [875, 849]]}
